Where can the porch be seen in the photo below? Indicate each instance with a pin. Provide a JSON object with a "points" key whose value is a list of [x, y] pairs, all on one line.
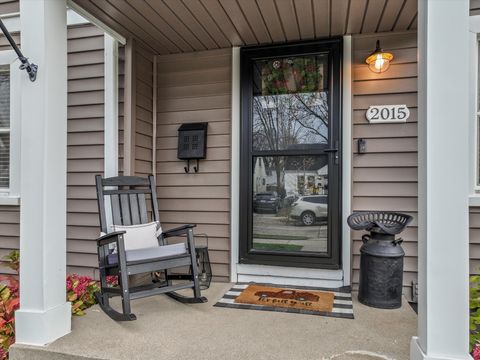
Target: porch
{"points": [[182, 64], [168, 330]]}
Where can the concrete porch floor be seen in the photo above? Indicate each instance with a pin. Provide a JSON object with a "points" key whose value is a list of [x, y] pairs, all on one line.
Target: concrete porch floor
{"points": [[168, 330]]}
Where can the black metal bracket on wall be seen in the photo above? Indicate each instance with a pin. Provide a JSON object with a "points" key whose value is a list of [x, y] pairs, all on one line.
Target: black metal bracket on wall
{"points": [[195, 168], [25, 64]]}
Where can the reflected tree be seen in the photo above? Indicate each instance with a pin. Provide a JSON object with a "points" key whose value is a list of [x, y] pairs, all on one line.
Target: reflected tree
{"points": [[282, 121]]}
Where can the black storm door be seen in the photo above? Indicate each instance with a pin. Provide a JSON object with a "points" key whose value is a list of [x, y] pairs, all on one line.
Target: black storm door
{"points": [[290, 182]]}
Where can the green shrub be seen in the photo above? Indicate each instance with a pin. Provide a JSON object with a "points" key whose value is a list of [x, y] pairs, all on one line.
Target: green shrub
{"points": [[80, 292], [474, 311]]}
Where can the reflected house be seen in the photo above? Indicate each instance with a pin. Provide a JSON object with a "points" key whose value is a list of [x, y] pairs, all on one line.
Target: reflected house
{"points": [[307, 175], [323, 180], [260, 176], [299, 175], [272, 179]]}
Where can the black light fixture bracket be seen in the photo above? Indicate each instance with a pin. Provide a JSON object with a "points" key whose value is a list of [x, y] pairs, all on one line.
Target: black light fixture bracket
{"points": [[195, 168], [25, 64]]}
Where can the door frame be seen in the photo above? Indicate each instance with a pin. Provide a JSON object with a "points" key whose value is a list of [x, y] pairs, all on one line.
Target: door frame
{"points": [[331, 259], [277, 273]]}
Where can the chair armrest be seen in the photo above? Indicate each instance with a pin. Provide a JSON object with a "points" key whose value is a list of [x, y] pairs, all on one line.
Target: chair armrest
{"points": [[109, 238], [178, 230]]}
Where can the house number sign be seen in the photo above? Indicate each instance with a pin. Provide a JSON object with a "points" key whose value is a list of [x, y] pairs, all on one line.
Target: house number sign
{"points": [[377, 114]]}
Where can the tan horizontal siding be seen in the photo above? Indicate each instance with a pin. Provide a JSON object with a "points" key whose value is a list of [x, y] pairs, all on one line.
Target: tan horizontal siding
{"points": [[474, 7], [85, 144], [475, 240], [9, 233], [385, 178], [84, 150], [9, 6], [5, 45], [195, 87]]}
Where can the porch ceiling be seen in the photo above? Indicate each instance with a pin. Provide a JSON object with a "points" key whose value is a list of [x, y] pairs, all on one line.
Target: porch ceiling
{"points": [[174, 26]]}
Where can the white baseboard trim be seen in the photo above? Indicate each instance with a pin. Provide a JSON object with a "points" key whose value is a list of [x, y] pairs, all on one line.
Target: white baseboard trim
{"points": [[290, 281], [289, 275], [416, 353], [43, 327]]}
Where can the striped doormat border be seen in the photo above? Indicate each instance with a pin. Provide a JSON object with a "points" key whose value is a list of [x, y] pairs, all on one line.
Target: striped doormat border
{"points": [[342, 303]]}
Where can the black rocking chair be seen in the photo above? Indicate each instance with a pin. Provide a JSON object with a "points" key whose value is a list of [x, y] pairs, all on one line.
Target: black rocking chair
{"points": [[128, 198]]}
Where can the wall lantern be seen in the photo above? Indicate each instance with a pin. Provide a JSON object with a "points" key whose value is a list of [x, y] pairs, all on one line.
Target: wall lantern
{"points": [[379, 60]]}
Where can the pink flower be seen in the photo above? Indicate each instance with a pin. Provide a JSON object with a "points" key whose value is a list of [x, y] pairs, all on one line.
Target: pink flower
{"points": [[78, 284], [69, 284], [476, 352], [112, 280]]}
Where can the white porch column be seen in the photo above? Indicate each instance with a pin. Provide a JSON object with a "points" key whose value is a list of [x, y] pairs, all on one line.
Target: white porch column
{"points": [[111, 106], [443, 181], [44, 314]]}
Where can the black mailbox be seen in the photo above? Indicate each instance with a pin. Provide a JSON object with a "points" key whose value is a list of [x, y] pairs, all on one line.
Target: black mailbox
{"points": [[192, 143]]}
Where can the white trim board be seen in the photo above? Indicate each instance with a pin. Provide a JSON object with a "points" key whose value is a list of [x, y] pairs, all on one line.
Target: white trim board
{"points": [[13, 24], [129, 108], [346, 158], [289, 275], [111, 106], [154, 117], [235, 165], [278, 274], [110, 134], [474, 200], [82, 12], [474, 27], [11, 196]]}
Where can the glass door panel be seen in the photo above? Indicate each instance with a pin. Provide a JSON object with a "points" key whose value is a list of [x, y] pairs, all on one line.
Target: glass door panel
{"points": [[290, 103], [290, 203], [290, 140]]}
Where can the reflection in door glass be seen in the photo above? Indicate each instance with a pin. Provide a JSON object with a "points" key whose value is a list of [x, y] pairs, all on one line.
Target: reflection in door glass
{"points": [[290, 203], [290, 102]]}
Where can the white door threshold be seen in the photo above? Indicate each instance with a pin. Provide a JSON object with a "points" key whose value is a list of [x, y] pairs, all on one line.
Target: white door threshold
{"points": [[289, 275]]}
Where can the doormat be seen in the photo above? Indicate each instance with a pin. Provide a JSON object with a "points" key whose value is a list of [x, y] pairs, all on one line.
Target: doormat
{"points": [[298, 299]]}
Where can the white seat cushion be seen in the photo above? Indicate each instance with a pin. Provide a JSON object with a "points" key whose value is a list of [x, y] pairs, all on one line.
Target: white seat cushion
{"points": [[151, 253], [156, 252], [140, 236]]}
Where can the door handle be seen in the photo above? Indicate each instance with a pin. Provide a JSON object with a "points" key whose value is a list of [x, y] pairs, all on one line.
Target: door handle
{"points": [[333, 150]]}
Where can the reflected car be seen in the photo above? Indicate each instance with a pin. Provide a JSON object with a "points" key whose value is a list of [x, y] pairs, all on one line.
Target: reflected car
{"points": [[266, 201], [310, 209], [289, 200]]}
